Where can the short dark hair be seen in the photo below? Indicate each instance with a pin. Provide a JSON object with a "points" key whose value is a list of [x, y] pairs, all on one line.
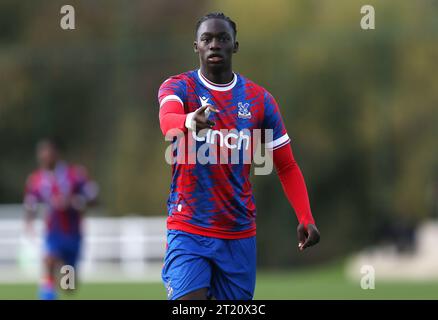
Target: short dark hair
{"points": [[216, 15]]}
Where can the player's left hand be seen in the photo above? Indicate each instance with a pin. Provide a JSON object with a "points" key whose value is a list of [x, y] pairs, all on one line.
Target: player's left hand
{"points": [[307, 237]]}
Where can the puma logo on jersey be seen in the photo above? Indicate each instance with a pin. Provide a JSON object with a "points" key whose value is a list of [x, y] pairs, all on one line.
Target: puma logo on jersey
{"points": [[204, 102]]}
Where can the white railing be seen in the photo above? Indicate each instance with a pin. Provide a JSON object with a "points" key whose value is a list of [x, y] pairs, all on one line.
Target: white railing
{"points": [[114, 249]]}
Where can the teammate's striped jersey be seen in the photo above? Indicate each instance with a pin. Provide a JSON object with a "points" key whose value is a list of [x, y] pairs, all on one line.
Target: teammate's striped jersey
{"points": [[216, 199], [64, 191]]}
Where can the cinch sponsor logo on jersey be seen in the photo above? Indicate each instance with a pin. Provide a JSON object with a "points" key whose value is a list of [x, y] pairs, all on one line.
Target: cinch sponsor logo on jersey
{"points": [[231, 139]]}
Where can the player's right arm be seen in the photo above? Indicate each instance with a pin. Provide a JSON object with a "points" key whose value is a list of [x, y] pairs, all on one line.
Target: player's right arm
{"points": [[173, 118]]}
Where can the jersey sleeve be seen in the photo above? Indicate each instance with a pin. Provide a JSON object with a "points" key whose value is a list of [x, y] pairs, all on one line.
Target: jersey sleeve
{"points": [[171, 97], [172, 89], [273, 121], [293, 183]]}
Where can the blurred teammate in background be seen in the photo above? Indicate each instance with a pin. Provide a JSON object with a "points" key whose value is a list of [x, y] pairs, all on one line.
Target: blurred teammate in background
{"points": [[65, 190], [211, 209]]}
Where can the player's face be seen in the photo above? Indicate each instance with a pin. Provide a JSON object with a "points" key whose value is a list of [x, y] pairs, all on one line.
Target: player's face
{"points": [[215, 44], [47, 155]]}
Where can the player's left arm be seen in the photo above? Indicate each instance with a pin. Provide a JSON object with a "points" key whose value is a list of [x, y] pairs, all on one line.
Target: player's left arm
{"points": [[289, 172], [295, 189]]}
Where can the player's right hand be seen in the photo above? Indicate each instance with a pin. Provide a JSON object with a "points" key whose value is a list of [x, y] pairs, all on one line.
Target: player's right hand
{"points": [[201, 117]]}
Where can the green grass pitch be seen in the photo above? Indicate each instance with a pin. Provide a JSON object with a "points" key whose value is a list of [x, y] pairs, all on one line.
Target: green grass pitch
{"points": [[320, 283]]}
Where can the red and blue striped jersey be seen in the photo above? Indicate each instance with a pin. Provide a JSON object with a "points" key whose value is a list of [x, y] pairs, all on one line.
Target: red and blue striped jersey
{"points": [[215, 198], [64, 191]]}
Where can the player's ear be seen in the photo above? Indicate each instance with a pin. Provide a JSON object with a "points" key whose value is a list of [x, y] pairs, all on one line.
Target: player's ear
{"points": [[195, 46], [236, 46]]}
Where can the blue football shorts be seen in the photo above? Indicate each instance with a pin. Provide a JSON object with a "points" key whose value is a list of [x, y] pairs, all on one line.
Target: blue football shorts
{"points": [[65, 247], [226, 267]]}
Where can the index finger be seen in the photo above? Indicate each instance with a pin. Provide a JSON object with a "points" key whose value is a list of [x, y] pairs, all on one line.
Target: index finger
{"points": [[201, 109], [212, 108]]}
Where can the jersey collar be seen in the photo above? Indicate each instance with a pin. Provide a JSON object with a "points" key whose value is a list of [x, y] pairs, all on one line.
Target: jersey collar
{"points": [[215, 86]]}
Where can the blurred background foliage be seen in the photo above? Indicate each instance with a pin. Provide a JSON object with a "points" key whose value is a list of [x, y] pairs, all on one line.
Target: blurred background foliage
{"points": [[361, 106]]}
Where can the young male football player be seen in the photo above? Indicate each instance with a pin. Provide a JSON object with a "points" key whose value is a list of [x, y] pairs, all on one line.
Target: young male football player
{"points": [[66, 191], [211, 245]]}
